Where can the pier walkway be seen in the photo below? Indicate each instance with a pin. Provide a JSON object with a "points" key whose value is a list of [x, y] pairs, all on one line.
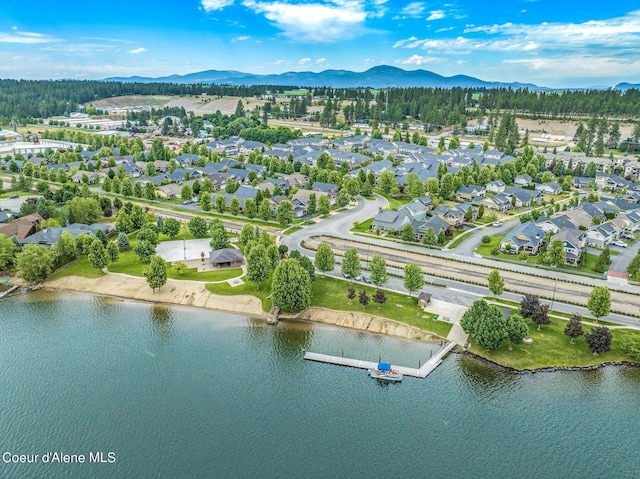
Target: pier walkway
{"points": [[6, 293], [421, 373]]}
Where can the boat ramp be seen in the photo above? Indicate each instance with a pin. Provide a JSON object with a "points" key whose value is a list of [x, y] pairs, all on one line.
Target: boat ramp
{"points": [[421, 372]]}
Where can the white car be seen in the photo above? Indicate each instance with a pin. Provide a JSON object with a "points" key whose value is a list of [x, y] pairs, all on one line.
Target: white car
{"points": [[622, 244], [497, 223]]}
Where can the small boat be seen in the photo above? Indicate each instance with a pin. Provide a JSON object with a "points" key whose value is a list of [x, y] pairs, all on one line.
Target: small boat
{"points": [[385, 372]]}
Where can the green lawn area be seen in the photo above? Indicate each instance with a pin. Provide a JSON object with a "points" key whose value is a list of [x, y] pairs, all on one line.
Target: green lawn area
{"points": [[80, 267], [289, 231], [246, 288], [394, 203], [363, 227], [551, 347], [485, 250], [129, 263], [460, 239], [331, 293]]}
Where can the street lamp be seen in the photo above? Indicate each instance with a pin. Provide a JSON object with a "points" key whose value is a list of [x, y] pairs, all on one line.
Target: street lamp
{"points": [[553, 296]]}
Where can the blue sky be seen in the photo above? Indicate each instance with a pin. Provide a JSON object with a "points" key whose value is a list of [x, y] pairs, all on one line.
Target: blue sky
{"points": [[550, 43]]}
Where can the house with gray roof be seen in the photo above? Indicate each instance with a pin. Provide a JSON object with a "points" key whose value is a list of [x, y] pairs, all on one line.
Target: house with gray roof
{"points": [[549, 188], [524, 197], [50, 236], [388, 220], [601, 235], [226, 258], [574, 242], [523, 180], [496, 186], [466, 193], [495, 202], [524, 237]]}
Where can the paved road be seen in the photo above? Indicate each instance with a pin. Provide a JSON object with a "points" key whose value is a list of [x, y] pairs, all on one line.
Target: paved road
{"points": [[454, 291]]}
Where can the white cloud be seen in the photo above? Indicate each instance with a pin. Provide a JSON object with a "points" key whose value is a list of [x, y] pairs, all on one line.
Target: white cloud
{"points": [[242, 38], [440, 30], [402, 43], [304, 61], [419, 60], [213, 5], [413, 9], [315, 22], [321, 60], [280, 62], [26, 37], [611, 37], [436, 15], [137, 51]]}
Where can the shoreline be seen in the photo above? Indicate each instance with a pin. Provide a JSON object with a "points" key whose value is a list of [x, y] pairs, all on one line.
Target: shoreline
{"points": [[194, 294], [544, 369]]}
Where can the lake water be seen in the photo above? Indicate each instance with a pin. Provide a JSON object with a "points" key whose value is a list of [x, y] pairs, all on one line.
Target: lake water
{"points": [[185, 393]]}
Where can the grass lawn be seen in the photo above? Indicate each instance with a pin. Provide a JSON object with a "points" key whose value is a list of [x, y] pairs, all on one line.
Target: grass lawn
{"points": [[246, 288], [363, 227], [551, 347], [394, 203], [460, 239], [129, 263], [80, 267], [289, 231], [331, 293]]}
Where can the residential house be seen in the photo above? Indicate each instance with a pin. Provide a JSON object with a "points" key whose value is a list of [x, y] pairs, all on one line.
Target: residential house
{"points": [[523, 180], [497, 202], [247, 146], [549, 188], [297, 180], [169, 191], [496, 186], [467, 193], [50, 235], [574, 242], [579, 217], [608, 181], [21, 227], [92, 177], [524, 198], [601, 235], [391, 220], [186, 160], [524, 237], [330, 189]]}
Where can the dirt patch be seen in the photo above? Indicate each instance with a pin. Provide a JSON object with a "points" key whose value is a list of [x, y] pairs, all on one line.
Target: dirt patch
{"points": [[130, 101], [226, 105], [366, 322]]}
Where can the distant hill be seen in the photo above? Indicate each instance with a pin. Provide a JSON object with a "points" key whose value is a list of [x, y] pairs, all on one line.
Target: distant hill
{"points": [[376, 77], [627, 86]]}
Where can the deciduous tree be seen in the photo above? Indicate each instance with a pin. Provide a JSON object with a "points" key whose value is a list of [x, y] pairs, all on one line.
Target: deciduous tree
{"points": [[351, 266], [540, 315], [291, 286], [378, 268], [413, 278], [35, 263], [97, 255], [486, 324], [157, 273], [599, 302], [325, 260], [258, 265], [573, 329], [598, 340], [517, 328], [496, 283]]}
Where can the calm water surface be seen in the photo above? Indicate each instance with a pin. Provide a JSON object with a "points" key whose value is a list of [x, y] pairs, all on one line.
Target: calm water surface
{"points": [[184, 393]]}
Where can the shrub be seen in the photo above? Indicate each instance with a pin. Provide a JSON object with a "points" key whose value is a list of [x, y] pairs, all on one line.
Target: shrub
{"points": [[486, 239]]}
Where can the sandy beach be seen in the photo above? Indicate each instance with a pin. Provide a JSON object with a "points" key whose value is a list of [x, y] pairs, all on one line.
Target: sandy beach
{"points": [[194, 293]]}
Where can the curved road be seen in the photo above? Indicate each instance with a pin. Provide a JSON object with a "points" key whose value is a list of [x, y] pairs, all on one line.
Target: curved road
{"points": [[339, 225]]}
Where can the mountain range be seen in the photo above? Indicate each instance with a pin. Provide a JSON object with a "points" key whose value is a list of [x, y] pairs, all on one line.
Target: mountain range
{"points": [[377, 77]]}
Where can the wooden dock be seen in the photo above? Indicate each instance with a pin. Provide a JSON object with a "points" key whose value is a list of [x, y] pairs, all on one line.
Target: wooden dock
{"points": [[421, 373]]}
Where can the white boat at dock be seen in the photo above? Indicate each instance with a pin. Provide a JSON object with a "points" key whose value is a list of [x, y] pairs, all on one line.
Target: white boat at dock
{"points": [[385, 372]]}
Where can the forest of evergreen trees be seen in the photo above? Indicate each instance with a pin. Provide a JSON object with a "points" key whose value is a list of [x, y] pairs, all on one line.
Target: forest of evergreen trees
{"points": [[27, 99]]}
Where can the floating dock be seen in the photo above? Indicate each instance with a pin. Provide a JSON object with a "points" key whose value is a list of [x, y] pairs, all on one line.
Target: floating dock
{"points": [[6, 293], [421, 373]]}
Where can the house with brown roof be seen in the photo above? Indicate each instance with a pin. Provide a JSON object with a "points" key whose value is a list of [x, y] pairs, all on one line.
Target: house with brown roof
{"points": [[21, 227]]}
